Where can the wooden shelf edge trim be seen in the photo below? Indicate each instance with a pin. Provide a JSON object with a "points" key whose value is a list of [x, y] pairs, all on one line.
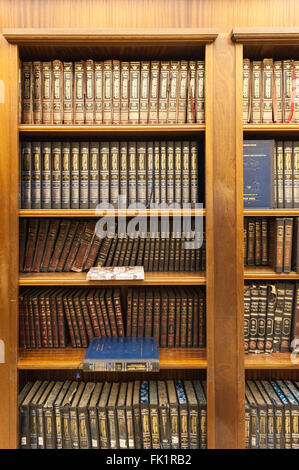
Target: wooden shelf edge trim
{"points": [[271, 361], [265, 35], [115, 213], [79, 279], [271, 212], [107, 128], [69, 358], [65, 36], [271, 127], [264, 273]]}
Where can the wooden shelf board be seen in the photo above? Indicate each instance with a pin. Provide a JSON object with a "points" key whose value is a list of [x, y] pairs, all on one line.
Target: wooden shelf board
{"points": [[79, 279], [270, 35], [110, 130], [266, 272], [71, 36], [116, 212], [271, 361], [70, 358], [271, 129], [271, 212]]}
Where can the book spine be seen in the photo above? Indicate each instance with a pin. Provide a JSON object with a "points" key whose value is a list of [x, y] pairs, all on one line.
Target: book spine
{"points": [[134, 95], [68, 110], [194, 173], [36, 175], [258, 241], [296, 173], [261, 321], [164, 91], [47, 111], [132, 173], [170, 173], [104, 172], [60, 321], [287, 67], [154, 92], [278, 316], [178, 173], [125, 88], [265, 258], [148, 314], [185, 172], [84, 247], [67, 245], [182, 101], [200, 91], [46, 175], [254, 305], [98, 92], [287, 318], [246, 90], [57, 92], [116, 92], [164, 318], [246, 317], [141, 313], [39, 246], [37, 92], [100, 315], [26, 166], [296, 84], [118, 314], [49, 245], [157, 195], [79, 90], [75, 175], [73, 247], [288, 174], [191, 92], [90, 316], [171, 319], [287, 248], [27, 85], [111, 314], [267, 90], [280, 174], [90, 92], [150, 193], [84, 175], [144, 92], [278, 87], [123, 173], [56, 176], [256, 91], [114, 173], [94, 175], [163, 166], [173, 92], [271, 303]]}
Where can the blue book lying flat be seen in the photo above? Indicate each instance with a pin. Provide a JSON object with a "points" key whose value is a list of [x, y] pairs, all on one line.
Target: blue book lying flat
{"points": [[122, 355]]}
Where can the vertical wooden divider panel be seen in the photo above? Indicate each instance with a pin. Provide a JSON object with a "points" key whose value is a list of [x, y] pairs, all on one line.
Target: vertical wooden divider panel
{"points": [[9, 241], [225, 363]]}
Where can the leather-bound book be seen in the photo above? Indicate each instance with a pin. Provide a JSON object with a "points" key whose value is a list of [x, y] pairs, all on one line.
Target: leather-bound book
{"points": [[57, 92], [79, 82]]}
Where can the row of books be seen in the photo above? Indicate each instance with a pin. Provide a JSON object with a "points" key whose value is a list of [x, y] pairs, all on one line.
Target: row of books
{"points": [[138, 414], [56, 245], [271, 174], [272, 241], [113, 92], [50, 318], [271, 311], [270, 91], [81, 175], [271, 414]]}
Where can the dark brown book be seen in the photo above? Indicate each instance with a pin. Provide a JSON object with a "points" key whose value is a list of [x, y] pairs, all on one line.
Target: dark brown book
{"points": [[30, 243], [49, 244], [40, 295], [171, 252], [196, 327], [61, 320], [156, 315], [100, 316], [23, 223], [89, 299], [84, 247], [202, 319], [118, 248], [162, 251], [118, 312], [96, 243], [245, 239], [135, 300], [148, 322], [74, 246], [258, 241], [76, 320], [111, 251], [166, 251], [177, 330], [184, 313], [89, 315], [146, 252], [61, 238], [295, 249], [104, 252], [64, 297], [141, 312], [140, 253], [164, 317], [123, 251], [189, 317], [129, 312], [67, 245], [105, 313], [34, 318], [151, 252], [182, 251], [278, 244], [50, 318], [287, 245], [265, 234], [40, 244], [251, 242], [171, 317], [111, 312], [129, 249], [22, 336], [157, 252]]}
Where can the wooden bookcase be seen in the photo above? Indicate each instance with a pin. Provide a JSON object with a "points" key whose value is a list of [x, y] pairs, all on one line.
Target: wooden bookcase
{"points": [[100, 44], [259, 43]]}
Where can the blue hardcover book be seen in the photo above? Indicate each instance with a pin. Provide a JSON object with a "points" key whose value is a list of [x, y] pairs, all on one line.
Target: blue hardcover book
{"points": [[258, 164], [122, 354]]}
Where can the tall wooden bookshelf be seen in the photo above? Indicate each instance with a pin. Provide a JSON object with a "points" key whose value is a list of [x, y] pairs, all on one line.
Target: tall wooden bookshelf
{"points": [[100, 44], [259, 43]]}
